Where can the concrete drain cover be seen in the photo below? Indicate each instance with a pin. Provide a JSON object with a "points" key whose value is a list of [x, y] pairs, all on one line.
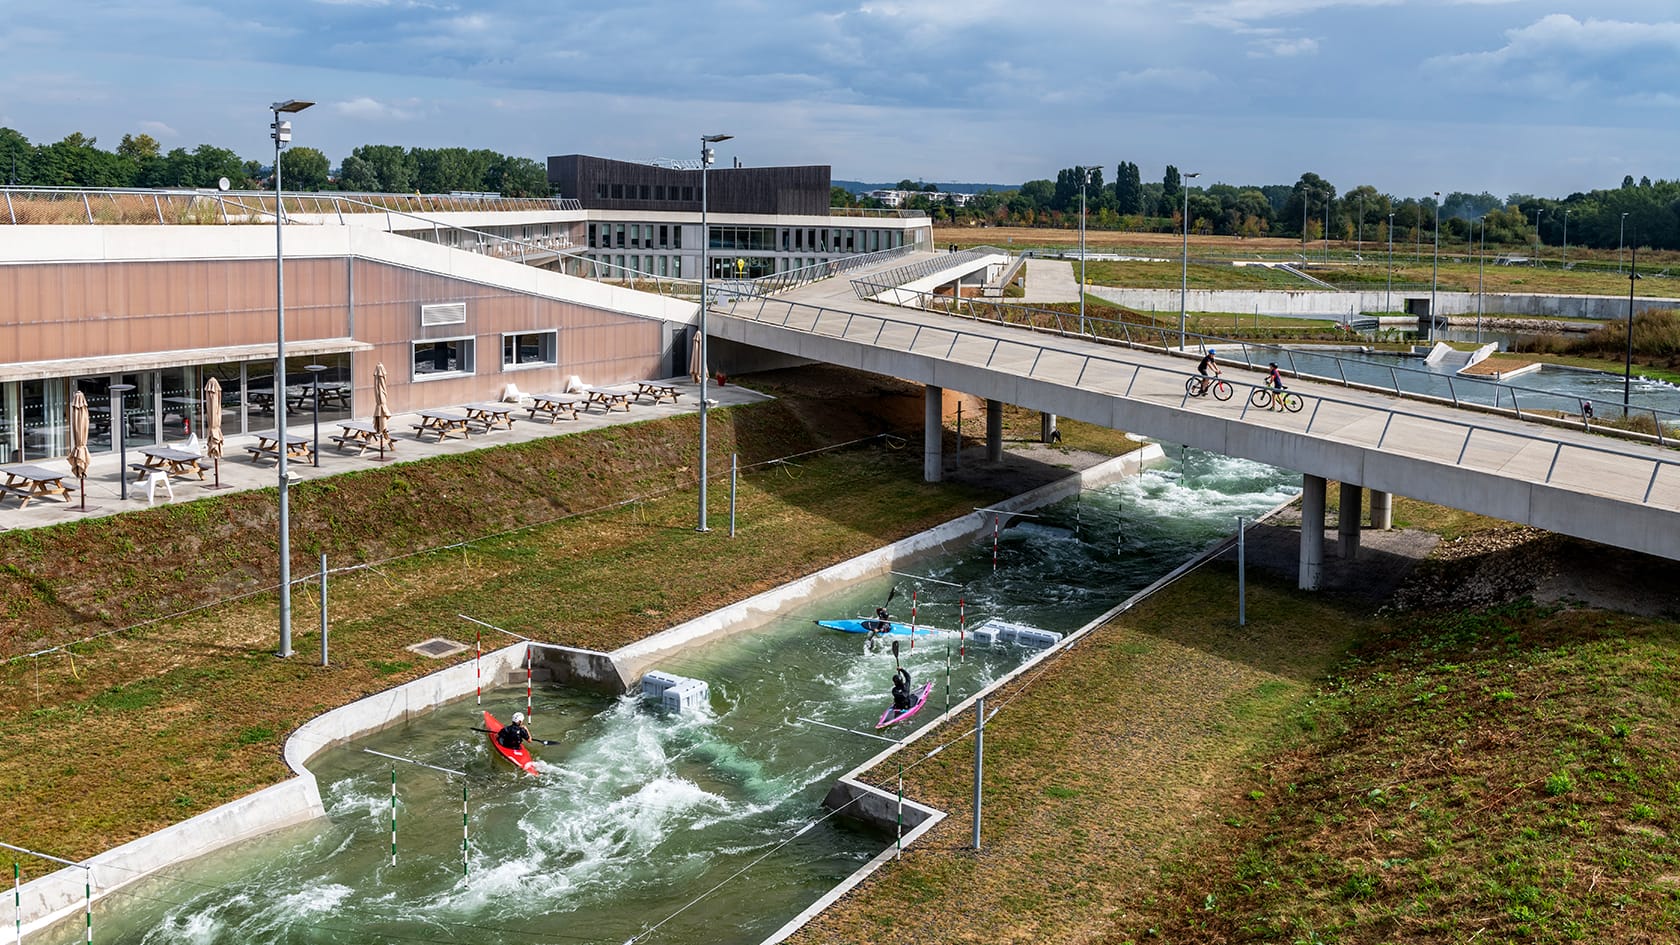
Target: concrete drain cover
{"points": [[437, 648]]}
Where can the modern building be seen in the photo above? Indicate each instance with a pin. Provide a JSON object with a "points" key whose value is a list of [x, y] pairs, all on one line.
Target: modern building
{"points": [[457, 296]]}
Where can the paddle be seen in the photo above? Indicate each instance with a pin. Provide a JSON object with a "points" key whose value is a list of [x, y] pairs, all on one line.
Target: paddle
{"points": [[540, 741]]}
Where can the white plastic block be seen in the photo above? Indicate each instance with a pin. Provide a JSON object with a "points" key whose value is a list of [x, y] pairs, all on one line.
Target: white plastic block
{"points": [[655, 683], [690, 695], [983, 636]]}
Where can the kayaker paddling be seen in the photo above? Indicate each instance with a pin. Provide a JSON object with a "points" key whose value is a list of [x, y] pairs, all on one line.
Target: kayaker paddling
{"points": [[902, 697], [514, 735]]}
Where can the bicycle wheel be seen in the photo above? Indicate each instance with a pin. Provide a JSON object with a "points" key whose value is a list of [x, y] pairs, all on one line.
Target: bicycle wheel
{"points": [[1222, 390], [1260, 398], [1291, 402], [1192, 387]]}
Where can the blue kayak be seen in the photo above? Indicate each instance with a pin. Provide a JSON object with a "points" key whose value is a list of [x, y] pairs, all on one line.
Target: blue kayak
{"points": [[866, 624]]}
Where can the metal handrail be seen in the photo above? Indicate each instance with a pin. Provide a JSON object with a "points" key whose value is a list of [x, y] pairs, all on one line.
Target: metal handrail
{"points": [[891, 279], [1138, 369], [181, 205], [1165, 338]]}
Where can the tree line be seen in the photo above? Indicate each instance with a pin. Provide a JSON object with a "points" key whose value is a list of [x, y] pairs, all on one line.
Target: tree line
{"points": [[139, 161], [1640, 212]]}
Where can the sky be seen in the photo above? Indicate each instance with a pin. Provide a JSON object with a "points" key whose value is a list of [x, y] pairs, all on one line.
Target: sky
{"points": [[1545, 97]]}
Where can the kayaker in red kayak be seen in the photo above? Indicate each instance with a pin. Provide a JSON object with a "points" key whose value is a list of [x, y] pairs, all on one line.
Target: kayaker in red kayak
{"points": [[514, 735]]}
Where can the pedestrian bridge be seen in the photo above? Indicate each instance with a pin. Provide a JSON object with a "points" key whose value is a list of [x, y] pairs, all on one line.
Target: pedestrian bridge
{"points": [[1490, 462]]}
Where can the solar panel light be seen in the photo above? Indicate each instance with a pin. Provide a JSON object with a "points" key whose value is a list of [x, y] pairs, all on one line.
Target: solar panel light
{"points": [[282, 132]]}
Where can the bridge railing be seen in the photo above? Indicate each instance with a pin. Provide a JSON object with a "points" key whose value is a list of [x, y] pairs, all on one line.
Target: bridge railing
{"points": [[1569, 463], [1525, 403], [130, 206], [879, 282]]}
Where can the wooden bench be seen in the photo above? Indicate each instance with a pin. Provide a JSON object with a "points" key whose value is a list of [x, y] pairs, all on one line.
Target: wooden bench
{"points": [[608, 399], [552, 406], [656, 392], [24, 494], [258, 452]]}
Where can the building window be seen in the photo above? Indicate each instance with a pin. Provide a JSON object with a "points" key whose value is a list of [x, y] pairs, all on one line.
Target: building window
{"points": [[676, 237], [601, 191], [443, 357], [530, 349], [659, 191], [591, 236], [664, 236], [688, 193], [618, 191], [645, 192], [618, 235], [635, 235]]}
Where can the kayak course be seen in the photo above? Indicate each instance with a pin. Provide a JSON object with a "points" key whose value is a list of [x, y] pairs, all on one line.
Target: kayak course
{"points": [[644, 825]]}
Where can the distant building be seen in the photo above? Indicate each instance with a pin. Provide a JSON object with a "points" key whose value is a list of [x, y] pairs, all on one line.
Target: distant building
{"points": [[898, 198]]}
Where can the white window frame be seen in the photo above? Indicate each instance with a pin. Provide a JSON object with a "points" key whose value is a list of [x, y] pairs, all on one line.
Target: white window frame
{"points": [[553, 350], [468, 347]]}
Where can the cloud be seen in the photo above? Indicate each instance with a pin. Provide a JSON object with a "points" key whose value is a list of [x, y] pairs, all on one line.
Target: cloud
{"points": [[368, 108], [158, 129], [1239, 14], [1284, 47], [1561, 58]]}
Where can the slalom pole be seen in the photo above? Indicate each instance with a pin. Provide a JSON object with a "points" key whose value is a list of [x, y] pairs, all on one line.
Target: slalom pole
{"points": [[947, 674], [478, 663], [17, 887], [393, 815], [87, 890], [912, 618], [995, 519], [463, 828], [527, 680], [962, 630], [900, 854]]}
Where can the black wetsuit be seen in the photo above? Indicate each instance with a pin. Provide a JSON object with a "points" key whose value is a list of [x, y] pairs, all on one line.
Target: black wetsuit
{"points": [[902, 699], [513, 736]]}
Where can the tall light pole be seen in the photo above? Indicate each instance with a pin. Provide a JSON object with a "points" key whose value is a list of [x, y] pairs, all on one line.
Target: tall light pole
{"points": [[1633, 274], [1481, 270], [281, 132], [1084, 178], [119, 423], [1326, 229], [1388, 295], [1435, 267], [707, 155], [316, 370], [1566, 214], [1184, 272], [1621, 235]]}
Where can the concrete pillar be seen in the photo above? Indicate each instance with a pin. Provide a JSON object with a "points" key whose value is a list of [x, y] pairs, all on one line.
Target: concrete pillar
{"points": [[933, 435], [1382, 510], [994, 431], [1312, 532], [1347, 520], [1047, 432]]}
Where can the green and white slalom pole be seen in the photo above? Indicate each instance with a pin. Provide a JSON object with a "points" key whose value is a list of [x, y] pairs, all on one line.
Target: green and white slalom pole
{"points": [[463, 829], [393, 815], [900, 854], [17, 899]]}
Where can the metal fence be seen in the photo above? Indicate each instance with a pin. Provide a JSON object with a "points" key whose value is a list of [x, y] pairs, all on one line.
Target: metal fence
{"points": [[1125, 377], [139, 206]]}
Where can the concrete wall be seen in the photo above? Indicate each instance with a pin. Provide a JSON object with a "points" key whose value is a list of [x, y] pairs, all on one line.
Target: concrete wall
{"points": [[60, 895], [1325, 303]]}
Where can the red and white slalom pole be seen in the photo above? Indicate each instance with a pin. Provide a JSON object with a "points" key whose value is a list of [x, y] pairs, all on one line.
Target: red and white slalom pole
{"points": [[478, 663]]}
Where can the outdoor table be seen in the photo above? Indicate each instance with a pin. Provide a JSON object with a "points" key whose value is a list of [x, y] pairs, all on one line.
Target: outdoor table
{"points": [[362, 435], [491, 415], [553, 405], [656, 391], [28, 481], [268, 445], [608, 398], [168, 460], [443, 423]]}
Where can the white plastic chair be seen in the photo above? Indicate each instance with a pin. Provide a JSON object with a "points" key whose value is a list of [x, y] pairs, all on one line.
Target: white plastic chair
{"points": [[192, 445], [153, 479]]}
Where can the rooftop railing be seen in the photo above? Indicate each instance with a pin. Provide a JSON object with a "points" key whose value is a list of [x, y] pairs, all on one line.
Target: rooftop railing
{"points": [[180, 206]]}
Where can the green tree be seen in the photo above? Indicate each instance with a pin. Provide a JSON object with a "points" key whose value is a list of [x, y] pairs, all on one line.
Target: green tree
{"points": [[357, 176], [138, 148], [1128, 189], [1172, 186], [518, 177], [16, 157], [304, 169], [393, 167]]}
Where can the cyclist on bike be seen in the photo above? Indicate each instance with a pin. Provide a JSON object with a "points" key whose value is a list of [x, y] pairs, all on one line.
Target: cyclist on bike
{"points": [[1274, 383], [1208, 369]]}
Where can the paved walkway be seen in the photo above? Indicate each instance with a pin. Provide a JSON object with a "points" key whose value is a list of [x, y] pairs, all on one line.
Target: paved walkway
{"points": [[1051, 280], [237, 471]]}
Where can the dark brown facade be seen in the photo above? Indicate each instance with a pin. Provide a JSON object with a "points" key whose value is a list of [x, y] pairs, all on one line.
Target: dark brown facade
{"points": [[603, 184]]}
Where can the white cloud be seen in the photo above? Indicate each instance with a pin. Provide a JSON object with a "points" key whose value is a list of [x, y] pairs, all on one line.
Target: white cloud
{"points": [[158, 129], [1237, 14], [1561, 58], [1283, 47], [368, 108]]}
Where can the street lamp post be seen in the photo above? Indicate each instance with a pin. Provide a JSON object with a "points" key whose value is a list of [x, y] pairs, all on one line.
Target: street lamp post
{"points": [[1388, 294], [1566, 214], [1627, 375], [1481, 270], [281, 132], [1184, 271], [1326, 229], [120, 422], [1435, 267], [316, 370], [1084, 179], [1536, 260], [1621, 234], [707, 155]]}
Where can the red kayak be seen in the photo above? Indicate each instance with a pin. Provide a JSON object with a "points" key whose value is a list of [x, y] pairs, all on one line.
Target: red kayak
{"points": [[520, 756], [893, 716]]}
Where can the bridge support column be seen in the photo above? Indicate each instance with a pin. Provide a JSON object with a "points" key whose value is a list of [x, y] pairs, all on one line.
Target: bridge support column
{"points": [[933, 434], [1347, 520], [1312, 532], [1047, 432], [994, 431], [1382, 510]]}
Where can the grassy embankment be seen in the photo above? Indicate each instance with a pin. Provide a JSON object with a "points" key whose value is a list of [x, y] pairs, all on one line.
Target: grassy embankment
{"points": [[108, 740], [1507, 773]]}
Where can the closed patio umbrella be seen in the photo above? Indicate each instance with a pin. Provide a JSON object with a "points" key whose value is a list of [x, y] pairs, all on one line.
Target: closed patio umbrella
{"points": [[213, 425], [381, 408], [79, 458], [694, 366]]}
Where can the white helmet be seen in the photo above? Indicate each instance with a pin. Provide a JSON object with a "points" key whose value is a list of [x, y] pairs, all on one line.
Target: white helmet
{"points": [[519, 718]]}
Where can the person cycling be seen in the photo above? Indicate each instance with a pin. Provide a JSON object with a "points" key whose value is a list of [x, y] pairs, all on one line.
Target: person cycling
{"points": [[1208, 369], [1274, 383], [514, 734], [902, 699]]}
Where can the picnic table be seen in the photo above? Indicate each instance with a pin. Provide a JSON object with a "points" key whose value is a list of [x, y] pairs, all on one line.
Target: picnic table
{"points": [[656, 391], [443, 423], [491, 415], [553, 405], [362, 435], [268, 447], [28, 481], [607, 398], [169, 460]]}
